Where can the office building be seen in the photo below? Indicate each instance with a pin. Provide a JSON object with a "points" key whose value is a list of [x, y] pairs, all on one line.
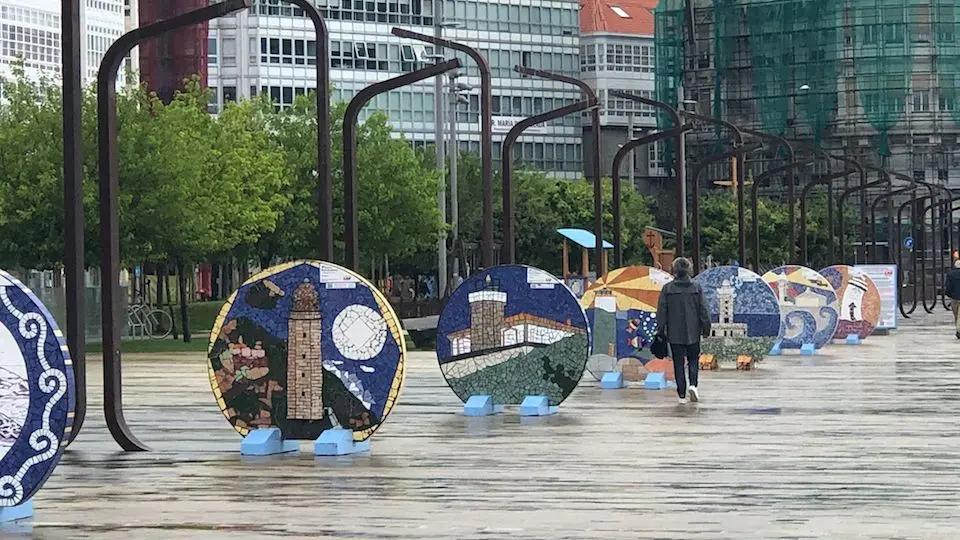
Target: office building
{"points": [[172, 57], [616, 53], [270, 49], [30, 30]]}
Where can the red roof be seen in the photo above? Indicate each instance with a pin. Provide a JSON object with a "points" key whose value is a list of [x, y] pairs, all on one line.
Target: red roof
{"points": [[608, 16]]}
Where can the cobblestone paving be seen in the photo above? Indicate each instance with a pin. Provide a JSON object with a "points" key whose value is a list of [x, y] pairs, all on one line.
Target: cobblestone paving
{"points": [[860, 442]]}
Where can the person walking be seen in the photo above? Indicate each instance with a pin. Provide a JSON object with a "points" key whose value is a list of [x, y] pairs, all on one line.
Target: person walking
{"points": [[683, 317], [953, 291]]}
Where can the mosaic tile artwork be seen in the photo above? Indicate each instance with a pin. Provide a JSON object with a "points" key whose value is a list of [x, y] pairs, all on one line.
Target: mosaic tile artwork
{"points": [[859, 300], [307, 346], [37, 393], [622, 314], [809, 307], [513, 331], [744, 313]]}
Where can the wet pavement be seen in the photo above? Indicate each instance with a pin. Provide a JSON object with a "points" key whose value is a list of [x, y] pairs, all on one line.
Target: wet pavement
{"points": [[859, 442]]}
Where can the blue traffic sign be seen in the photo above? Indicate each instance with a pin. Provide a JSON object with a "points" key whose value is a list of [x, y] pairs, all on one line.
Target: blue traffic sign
{"points": [[908, 242]]}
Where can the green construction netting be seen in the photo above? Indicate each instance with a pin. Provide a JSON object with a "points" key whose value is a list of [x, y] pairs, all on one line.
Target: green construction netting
{"points": [[771, 26], [883, 62], [946, 30], [668, 52], [816, 52]]}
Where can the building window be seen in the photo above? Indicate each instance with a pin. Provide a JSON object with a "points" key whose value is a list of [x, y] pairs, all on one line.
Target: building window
{"points": [[655, 159], [212, 51], [229, 52]]}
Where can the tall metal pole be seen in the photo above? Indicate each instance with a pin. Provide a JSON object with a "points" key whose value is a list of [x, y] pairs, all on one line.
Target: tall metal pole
{"points": [[439, 95], [73, 261], [454, 193]]}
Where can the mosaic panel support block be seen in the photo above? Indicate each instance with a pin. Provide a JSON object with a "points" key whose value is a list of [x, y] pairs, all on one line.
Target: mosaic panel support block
{"points": [[266, 442], [21, 511], [481, 406], [777, 349], [655, 381], [612, 380], [338, 442], [537, 406], [808, 349], [853, 339]]}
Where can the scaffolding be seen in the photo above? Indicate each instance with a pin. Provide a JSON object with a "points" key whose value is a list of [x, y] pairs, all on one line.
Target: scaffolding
{"points": [[875, 80]]}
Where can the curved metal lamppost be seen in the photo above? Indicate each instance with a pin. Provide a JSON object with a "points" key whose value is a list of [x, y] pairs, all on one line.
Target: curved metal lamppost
{"points": [[790, 166], [913, 260], [680, 172], [843, 199], [108, 161], [804, 192], [588, 95], [486, 132], [506, 166], [896, 253], [350, 221]]}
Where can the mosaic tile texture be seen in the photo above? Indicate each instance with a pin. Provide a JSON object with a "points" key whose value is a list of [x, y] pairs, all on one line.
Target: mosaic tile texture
{"points": [[744, 313], [859, 300], [307, 346], [37, 393], [513, 331], [809, 307], [622, 314]]}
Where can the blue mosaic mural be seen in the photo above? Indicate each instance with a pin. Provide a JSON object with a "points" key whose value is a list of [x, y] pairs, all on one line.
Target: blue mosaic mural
{"points": [[513, 331], [37, 393], [744, 314], [809, 307], [307, 346]]}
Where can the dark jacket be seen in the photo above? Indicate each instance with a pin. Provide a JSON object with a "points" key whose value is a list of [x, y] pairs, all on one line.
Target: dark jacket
{"points": [[682, 312], [953, 284]]}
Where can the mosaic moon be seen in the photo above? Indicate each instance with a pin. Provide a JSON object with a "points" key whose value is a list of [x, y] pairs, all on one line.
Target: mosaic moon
{"points": [[511, 332], [809, 307], [859, 300], [744, 313], [305, 347], [622, 313], [37, 393]]}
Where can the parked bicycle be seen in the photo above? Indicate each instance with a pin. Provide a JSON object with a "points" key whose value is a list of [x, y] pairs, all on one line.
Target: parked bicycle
{"points": [[148, 322]]}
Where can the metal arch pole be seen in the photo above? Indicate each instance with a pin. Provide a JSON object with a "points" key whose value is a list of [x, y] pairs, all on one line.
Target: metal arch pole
{"points": [[109, 172], [885, 176], [589, 94], [937, 231], [680, 170], [843, 199], [695, 194], [615, 173], [755, 204], [350, 206], [923, 263], [791, 194], [73, 261], [873, 217], [506, 168], [741, 165], [804, 192], [324, 182], [486, 131], [913, 263]]}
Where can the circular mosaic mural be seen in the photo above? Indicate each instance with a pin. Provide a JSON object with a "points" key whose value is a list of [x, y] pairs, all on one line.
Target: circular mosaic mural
{"points": [[809, 307], [859, 300], [622, 313], [744, 313], [510, 332], [37, 393], [307, 346]]}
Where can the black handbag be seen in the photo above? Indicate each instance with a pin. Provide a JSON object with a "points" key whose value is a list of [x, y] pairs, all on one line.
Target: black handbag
{"points": [[659, 346]]}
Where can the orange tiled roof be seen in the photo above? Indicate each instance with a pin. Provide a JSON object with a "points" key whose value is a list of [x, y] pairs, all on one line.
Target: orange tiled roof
{"points": [[600, 16]]}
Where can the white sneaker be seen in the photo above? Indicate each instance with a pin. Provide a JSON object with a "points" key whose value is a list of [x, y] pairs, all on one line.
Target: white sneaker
{"points": [[693, 394], [683, 401]]}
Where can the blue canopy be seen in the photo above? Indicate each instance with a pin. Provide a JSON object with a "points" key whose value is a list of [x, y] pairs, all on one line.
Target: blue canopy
{"points": [[583, 238]]}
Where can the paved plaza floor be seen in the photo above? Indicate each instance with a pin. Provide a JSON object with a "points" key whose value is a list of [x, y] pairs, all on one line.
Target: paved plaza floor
{"points": [[858, 442]]}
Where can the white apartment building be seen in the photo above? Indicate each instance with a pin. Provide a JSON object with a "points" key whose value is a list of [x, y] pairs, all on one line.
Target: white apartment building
{"points": [[30, 30], [271, 48]]}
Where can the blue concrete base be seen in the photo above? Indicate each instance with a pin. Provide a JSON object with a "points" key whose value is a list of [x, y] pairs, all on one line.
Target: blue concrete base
{"points": [[807, 349], [266, 442], [338, 442], [23, 510], [612, 380], [537, 406], [853, 339], [655, 381], [481, 406], [777, 349]]}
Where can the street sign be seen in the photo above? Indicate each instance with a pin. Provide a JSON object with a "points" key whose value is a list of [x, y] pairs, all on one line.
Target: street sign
{"points": [[908, 242]]}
